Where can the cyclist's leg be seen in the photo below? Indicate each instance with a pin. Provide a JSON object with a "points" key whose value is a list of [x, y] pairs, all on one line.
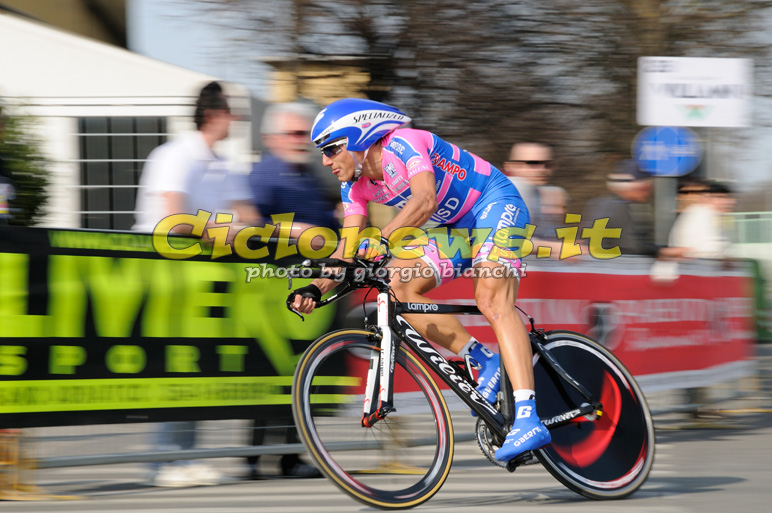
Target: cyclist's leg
{"points": [[495, 295], [413, 278], [496, 281]]}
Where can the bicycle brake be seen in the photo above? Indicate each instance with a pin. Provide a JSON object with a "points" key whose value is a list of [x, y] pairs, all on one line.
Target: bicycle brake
{"points": [[380, 414]]}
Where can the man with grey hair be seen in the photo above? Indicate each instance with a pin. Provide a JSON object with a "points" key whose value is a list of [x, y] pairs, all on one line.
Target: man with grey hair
{"points": [[284, 182]]}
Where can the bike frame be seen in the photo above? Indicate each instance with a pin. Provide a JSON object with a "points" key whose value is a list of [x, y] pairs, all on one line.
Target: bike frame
{"points": [[379, 403]]}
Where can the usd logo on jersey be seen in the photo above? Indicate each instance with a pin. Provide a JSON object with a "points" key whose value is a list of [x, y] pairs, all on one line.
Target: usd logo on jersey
{"points": [[390, 170]]}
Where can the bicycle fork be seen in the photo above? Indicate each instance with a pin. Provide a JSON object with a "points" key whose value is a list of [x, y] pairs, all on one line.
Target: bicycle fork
{"points": [[378, 402]]}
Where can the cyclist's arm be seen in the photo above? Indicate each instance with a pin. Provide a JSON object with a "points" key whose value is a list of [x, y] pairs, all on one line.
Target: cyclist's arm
{"points": [[419, 208], [306, 304]]}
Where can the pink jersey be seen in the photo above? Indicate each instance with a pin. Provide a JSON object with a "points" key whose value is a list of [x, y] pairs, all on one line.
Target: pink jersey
{"points": [[460, 176]]}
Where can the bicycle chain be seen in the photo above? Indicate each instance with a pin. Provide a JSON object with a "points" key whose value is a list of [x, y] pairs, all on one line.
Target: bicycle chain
{"points": [[484, 443]]}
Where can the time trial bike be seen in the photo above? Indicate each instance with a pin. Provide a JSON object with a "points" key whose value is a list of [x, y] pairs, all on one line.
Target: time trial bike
{"points": [[370, 412]]}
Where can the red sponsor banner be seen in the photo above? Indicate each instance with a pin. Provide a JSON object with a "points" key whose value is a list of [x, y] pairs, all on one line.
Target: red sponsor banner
{"points": [[692, 328]]}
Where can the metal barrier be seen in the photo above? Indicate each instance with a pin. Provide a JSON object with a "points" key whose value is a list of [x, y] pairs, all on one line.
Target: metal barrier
{"points": [[750, 393]]}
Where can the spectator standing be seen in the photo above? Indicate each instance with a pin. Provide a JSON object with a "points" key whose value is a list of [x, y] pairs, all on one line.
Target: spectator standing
{"points": [[698, 232], [554, 206], [629, 191], [180, 177], [186, 175], [530, 167], [285, 182], [7, 194]]}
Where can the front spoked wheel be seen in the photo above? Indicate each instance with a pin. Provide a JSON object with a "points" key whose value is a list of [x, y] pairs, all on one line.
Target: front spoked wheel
{"points": [[601, 457], [403, 459]]}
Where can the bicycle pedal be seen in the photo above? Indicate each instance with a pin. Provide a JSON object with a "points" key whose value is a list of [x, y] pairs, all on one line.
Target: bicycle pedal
{"points": [[523, 459]]}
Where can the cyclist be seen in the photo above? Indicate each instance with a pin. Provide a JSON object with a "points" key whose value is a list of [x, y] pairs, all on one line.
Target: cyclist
{"points": [[429, 179]]}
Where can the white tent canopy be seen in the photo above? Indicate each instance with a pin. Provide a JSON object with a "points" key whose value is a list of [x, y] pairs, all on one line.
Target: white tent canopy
{"points": [[57, 73], [60, 78]]}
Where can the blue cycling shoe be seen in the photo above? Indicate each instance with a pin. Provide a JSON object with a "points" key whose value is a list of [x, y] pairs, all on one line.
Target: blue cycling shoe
{"points": [[489, 376], [528, 433]]}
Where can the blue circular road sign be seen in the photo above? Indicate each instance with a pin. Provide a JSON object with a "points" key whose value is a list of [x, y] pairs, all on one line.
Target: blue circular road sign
{"points": [[667, 150]]}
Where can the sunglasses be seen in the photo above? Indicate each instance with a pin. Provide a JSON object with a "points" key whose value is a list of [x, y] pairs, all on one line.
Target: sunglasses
{"points": [[545, 163], [297, 133], [331, 150]]}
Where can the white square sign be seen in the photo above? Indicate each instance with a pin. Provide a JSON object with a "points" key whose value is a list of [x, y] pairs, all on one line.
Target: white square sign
{"points": [[686, 91]]}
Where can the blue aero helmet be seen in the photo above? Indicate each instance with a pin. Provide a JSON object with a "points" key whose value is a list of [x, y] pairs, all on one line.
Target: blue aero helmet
{"points": [[361, 123]]}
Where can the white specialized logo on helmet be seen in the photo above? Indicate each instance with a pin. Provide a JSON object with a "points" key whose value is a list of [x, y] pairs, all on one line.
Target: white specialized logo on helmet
{"points": [[369, 121]]}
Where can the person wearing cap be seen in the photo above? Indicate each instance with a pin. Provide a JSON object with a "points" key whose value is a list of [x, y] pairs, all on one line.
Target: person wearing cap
{"points": [[629, 189], [378, 159]]}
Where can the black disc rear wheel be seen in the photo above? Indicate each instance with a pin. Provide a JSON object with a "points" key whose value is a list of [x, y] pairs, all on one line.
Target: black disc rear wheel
{"points": [[601, 457]]}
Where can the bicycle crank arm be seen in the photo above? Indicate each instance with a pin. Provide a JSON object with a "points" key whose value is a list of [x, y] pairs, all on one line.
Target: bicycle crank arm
{"points": [[380, 414], [564, 418]]}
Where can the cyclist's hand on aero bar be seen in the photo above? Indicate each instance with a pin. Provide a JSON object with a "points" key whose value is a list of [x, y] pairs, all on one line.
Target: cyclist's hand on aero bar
{"points": [[304, 299], [369, 249]]}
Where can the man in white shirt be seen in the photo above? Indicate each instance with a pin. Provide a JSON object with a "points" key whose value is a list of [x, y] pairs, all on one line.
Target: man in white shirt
{"points": [[181, 177], [185, 175]]}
